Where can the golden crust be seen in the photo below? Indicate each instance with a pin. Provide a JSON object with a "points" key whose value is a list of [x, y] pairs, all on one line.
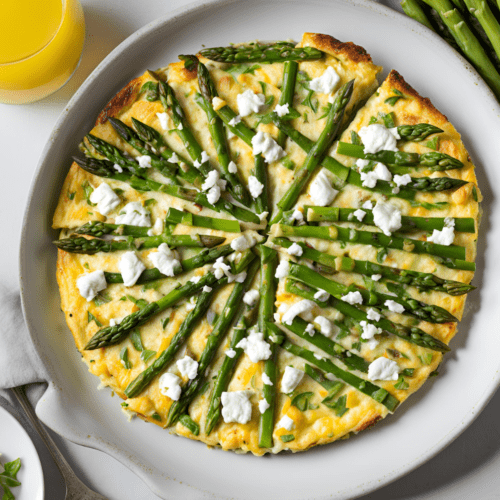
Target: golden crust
{"points": [[319, 425]]}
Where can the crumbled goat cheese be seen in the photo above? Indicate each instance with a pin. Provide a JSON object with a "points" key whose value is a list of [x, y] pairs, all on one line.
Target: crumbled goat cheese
{"points": [[297, 215], [255, 347], [165, 260], [263, 216], [211, 180], [188, 367], [291, 379], [449, 222], [321, 190], [324, 324], [236, 407], [263, 143], [255, 186], [218, 103], [380, 172], [180, 126], [353, 298], [144, 161], [174, 158], [443, 237], [195, 279], [242, 243], [207, 289], [310, 329], [106, 199], [282, 269], [295, 249], [369, 330], [163, 117], [376, 138], [296, 309], [326, 83], [130, 268], [387, 217], [322, 295], [373, 314], [204, 157], [383, 369], [285, 423], [235, 120], [191, 304], [230, 353], [118, 168], [134, 214], [368, 205], [170, 385], [282, 110], [394, 306], [197, 163], [213, 195], [251, 297], [90, 284], [359, 214], [250, 102], [376, 277], [266, 380], [232, 168], [402, 180], [115, 321], [220, 268], [263, 406]]}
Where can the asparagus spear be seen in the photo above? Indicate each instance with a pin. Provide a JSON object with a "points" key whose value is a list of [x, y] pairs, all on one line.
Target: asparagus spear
{"points": [[366, 387], [111, 335], [350, 176], [204, 257], [351, 360], [290, 69], [175, 216], [268, 262], [409, 224], [332, 386], [418, 132], [413, 334], [435, 160], [467, 42], [104, 168], [95, 245], [155, 140], [143, 380], [422, 281], [416, 308], [413, 9], [216, 128], [277, 52], [377, 239], [315, 155], [213, 341], [225, 373]]}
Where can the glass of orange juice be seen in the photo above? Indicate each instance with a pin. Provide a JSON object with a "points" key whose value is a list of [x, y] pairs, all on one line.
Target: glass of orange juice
{"points": [[41, 44]]}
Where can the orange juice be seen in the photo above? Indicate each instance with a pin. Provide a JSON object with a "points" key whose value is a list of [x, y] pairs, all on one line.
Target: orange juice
{"points": [[41, 43]]}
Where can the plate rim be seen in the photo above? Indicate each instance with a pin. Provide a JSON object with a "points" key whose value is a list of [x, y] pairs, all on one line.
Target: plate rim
{"points": [[193, 8]]}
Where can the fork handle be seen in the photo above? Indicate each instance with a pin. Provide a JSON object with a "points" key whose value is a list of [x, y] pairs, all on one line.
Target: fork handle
{"points": [[73, 484]]}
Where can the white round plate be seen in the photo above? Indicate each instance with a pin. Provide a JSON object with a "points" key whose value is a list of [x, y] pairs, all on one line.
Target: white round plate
{"points": [[180, 468], [15, 443]]}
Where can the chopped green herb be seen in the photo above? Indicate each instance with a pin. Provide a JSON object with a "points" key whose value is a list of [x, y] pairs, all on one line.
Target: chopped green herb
{"points": [[152, 285], [408, 372], [356, 345], [123, 298], [140, 303], [146, 355], [287, 163], [149, 202], [203, 388], [135, 338], [190, 424], [335, 388], [326, 110], [71, 196], [306, 119], [101, 298], [86, 265], [263, 86], [124, 358], [87, 191], [433, 143], [339, 406], [301, 401], [355, 139], [286, 438], [164, 322], [269, 100], [151, 89], [373, 120], [8, 478], [125, 405], [381, 255], [401, 384], [309, 102], [119, 191], [388, 119], [156, 416], [394, 99], [426, 358], [91, 317], [435, 373], [474, 193]]}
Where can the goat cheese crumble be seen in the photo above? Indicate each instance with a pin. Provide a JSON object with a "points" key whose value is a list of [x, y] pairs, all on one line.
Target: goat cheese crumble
{"points": [[134, 214], [255, 347], [379, 173], [300, 307], [373, 314], [394, 306], [242, 243], [251, 297], [230, 353], [170, 385], [295, 249], [263, 406], [236, 407], [266, 380], [90, 284], [326, 83], [387, 217], [235, 120], [282, 109], [376, 138], [285, 423], [282, 269], [353, 298], [250, 102], [402, 180], [232, 168], [321, 190], [163, 117], [325, 326], [255, 186], [188, 367], [383, 369], [322, 295], [105, 198], [130, 268], [291, 379], [165, 260], [263, 143]]}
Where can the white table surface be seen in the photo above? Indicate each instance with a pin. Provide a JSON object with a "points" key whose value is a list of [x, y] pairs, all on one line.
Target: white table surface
{"points": [[468, 468]]}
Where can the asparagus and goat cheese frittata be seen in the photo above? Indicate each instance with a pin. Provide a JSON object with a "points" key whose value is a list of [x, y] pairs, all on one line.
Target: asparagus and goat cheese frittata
{"points": [[262, 250]]}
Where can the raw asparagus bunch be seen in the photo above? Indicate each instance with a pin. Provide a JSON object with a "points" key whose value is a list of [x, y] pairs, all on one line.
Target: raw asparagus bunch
{"points": [[318, 150], [213, 342], [422, 281], [277, 52], [95, 245]]}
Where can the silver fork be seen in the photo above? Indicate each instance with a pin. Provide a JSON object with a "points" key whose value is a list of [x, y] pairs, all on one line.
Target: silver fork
{"points": [[75, 489]]}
